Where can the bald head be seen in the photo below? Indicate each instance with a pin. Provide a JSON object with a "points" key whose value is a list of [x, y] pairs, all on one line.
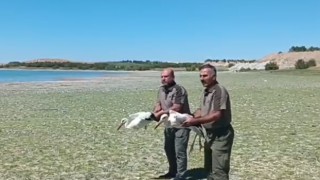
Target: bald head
{"points": [[169, 71], [167, 76]]}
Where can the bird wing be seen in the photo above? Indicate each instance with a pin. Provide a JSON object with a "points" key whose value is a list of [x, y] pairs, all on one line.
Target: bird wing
{"points": [[145, 115], [132, 116], [138, 120]]}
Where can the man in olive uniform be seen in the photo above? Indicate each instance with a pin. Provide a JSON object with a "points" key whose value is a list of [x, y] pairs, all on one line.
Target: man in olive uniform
{"points": [[215, 117], [173, 96]]}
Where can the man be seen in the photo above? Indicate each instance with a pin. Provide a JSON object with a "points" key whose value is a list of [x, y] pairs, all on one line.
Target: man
{"points": [[215, 117], [173, 96]]}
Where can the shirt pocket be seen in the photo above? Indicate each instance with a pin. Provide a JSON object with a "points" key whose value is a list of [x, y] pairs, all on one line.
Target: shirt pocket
{"points": [[170, 97]]}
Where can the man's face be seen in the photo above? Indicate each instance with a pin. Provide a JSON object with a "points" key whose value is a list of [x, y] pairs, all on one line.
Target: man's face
{"points": [[166, 78], [207, 77]]}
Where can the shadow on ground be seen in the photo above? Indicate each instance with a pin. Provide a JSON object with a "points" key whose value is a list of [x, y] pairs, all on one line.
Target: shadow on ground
{"points": [[195, 174]]}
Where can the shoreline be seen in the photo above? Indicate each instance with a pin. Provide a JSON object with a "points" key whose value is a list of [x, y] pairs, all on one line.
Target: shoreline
{"points": [[129, 74], [71, 70], [143, 79], [52, 78]]}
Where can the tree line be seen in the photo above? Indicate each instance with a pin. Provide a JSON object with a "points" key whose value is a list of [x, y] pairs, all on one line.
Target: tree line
{"points": [[303, 49], [230, 61], [128, 65]]}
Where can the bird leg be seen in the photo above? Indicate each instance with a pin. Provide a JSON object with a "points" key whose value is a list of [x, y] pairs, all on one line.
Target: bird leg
{"points": [[200, 144], [192, 144]]}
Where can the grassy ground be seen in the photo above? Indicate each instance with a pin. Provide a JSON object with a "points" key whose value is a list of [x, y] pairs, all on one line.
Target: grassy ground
{"points": [[312, 71], [68, 130]]}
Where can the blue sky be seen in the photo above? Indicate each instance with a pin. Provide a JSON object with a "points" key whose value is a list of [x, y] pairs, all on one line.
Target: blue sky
{"points": [[164, 30]]}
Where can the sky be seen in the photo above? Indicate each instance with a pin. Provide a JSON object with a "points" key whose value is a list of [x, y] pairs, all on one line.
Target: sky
{"points": [[156, 30]]}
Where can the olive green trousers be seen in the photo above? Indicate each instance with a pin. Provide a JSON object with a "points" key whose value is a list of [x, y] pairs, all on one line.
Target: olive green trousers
{"points": [[175, 146], [217, 152]]}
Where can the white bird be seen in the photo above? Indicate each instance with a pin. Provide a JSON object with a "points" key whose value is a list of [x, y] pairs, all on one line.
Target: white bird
{"points": [[137, 120], [176, 119]]}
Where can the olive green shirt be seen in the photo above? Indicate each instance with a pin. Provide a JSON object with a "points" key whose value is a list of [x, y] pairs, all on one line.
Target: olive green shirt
{"points": [[174, 94], [216, 98]]}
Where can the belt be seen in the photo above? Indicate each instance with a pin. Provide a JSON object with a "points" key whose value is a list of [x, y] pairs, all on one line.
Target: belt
{"points": [[218, 130]]}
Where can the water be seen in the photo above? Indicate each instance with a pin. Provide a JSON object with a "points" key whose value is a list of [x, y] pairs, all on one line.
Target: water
{"points": [[10, 76]]}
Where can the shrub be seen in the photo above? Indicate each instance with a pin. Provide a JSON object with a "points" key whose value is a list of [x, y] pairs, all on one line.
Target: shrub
{"points": [[244, 69], [300, 64], [191, 68], [312, 62], [271, 66], [230, 65]]}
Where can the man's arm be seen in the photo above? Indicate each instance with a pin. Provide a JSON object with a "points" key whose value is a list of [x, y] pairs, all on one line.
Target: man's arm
{"points": [[178, 101], [211, 117], [157, 107], [175, 107], [157, 112], [220, 101], [197, 113]]}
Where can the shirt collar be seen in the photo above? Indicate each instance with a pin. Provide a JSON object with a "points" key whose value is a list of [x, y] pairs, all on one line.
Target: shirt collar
{"points": [[169, 88], [211, 89]]}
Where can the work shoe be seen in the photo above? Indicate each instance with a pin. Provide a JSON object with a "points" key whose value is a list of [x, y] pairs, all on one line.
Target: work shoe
{"points": [[167, 176]]}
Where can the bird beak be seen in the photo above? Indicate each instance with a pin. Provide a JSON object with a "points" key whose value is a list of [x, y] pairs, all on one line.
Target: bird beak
{"points": [[158, 124], [122, 123], [163, 118]]}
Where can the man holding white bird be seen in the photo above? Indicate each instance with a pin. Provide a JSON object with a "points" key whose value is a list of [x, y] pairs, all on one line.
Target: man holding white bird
{"points": [[172, 96], [214, 115]]}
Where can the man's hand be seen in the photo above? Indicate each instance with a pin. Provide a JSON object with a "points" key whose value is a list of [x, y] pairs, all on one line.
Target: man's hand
{"points": [[156, 115], [157, 107], [190, 122], [159, 114]]}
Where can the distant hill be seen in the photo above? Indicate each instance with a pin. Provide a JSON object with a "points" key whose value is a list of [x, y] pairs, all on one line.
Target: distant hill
{"points": [[48, 60], [288, 60], [284, 61]]}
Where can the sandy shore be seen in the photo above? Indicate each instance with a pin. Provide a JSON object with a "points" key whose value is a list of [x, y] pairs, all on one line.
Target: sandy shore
{"points": [[134, 79]]}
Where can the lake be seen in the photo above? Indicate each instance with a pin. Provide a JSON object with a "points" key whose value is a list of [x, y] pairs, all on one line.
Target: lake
{"points": [[13, 76]]}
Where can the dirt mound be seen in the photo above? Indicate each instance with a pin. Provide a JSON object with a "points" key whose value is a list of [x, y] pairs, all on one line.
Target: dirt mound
{"points": [[288, 60]]}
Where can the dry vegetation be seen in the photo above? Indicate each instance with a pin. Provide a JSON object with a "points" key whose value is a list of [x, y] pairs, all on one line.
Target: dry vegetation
{"points": [[67, 130], [288, 60]]}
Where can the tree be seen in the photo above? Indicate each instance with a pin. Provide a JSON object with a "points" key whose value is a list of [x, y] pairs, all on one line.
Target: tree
{"points": [[230, 65], [300, 64], [298, 49], [271, 66], [311, 63], [303, 49], [313, 48]]}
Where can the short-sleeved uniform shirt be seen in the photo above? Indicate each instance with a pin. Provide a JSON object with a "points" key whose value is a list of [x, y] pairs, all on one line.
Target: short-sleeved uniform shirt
{"points": [[174, 94], [216, 98]]}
